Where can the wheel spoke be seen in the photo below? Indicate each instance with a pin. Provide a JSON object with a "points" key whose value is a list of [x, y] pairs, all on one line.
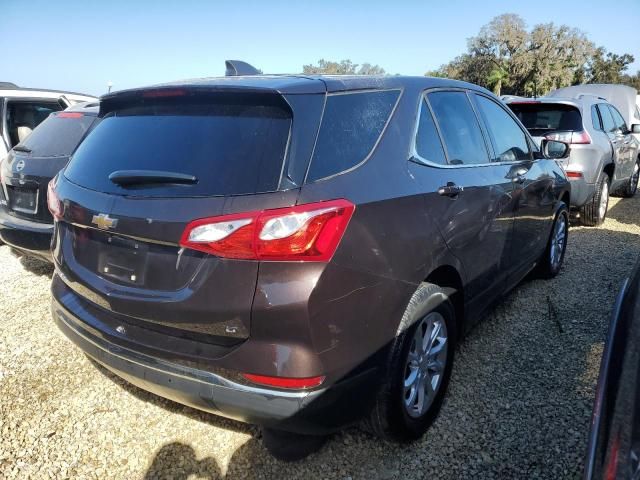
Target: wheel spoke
{"points": [[412, 396], [436, 349], [411, 378]]}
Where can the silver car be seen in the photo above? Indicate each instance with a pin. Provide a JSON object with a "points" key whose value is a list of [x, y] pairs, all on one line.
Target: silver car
{"points": [[605, 156]]}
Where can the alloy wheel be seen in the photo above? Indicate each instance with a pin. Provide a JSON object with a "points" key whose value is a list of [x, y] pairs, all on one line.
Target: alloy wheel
{"points": [[425, 364], [558, 240], [634, 179], [604, 200]]}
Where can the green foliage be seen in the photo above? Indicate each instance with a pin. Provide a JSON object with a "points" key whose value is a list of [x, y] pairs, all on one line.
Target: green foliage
{"points": [[508, 58], [344, 67]]}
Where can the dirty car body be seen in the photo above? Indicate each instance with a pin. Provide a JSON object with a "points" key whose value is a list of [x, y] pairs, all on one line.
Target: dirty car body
{"points": [[255, 333]]}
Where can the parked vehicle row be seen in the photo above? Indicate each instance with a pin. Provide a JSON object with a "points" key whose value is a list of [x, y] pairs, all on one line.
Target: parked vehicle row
{"points": [[25, 221], [23, 109], [605, 156], [268, 248]]}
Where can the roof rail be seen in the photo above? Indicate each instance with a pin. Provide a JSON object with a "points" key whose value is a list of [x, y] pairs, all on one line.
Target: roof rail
{"points": [[235, 68], [8, 85], [580, 95]]}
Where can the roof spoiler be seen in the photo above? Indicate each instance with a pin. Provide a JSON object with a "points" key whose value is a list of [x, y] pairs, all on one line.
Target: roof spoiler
{"points": [[8, 85], [236, 68]]}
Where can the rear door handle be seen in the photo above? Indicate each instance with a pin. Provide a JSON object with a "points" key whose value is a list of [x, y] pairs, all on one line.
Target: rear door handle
{"points": [[450, 190]]}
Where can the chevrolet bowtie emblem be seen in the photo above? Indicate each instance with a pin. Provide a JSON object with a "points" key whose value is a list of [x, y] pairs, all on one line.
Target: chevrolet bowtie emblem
{"points": [[104, 222]]}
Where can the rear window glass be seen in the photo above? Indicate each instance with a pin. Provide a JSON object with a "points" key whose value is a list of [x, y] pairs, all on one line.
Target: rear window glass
{"points": [[542, 118], [351, 125], [58, 136], [230, 148], [428, 144]]}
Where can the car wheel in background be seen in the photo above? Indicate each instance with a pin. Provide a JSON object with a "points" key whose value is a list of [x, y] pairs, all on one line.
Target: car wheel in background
{"points": [[593, 213], [419, 367], [553, 256], [632, 186]]}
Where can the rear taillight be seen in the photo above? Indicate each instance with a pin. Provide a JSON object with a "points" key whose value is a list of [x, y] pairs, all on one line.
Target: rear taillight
{"points": [[309, 232], [285, 382], [574, 138], [571, 174], [53, 201]]}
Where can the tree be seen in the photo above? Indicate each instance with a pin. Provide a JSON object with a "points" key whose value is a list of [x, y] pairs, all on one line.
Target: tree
{"points": [[607, 67], [501, 43], [508, 58], [631, 80], [344, 67]]}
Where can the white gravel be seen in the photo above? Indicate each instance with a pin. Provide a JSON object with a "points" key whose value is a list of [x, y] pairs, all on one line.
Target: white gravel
{"points": [[518, 405]]}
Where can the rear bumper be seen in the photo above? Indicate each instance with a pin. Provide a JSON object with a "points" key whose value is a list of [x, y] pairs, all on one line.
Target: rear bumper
{"points": [[308, 412], [581, 192], [31, 238]]}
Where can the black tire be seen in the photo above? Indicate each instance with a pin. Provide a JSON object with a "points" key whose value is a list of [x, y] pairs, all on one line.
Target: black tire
{"points": [[389, 417], [547, 267], [590, 213], [291, 447], [632, 186]]}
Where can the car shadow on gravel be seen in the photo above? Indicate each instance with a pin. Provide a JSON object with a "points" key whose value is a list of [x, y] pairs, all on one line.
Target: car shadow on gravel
{"points": [[33, 265], [171, 406], [625, 211], [179, 461]]}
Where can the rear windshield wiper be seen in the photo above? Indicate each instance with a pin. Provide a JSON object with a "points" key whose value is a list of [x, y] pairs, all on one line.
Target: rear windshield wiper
{"points": [[22, 148], [144, 177]]}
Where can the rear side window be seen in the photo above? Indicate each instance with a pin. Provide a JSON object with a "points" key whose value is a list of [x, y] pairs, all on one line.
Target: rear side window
{"points": [[231, 148], [459, 127], [607, 120], [542, 118], [595, 118], [351, 126], [428, 144], [58, 135], [509, 141]]}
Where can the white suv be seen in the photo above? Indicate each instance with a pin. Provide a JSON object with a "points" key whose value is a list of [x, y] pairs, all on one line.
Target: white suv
{"points": [[22, 109]]}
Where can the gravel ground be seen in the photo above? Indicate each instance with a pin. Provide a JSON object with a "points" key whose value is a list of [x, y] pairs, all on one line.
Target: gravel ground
{"points": [[518, 405]]}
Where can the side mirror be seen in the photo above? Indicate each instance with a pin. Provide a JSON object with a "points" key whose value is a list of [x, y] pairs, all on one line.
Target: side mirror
{"points": [[554, 149], [635, 128]]}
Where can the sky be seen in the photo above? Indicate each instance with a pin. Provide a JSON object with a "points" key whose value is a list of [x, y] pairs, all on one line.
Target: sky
{"points": [[82, 45]]}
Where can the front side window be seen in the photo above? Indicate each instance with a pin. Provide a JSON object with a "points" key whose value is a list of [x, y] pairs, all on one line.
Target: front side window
{"points": [[621, 125], [428, 144], [351, 125], [509, 141], [459, 127]]}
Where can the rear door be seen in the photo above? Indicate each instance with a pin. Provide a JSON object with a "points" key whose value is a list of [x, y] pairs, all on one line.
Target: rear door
{"points": [[118, 244], [472, 198]]}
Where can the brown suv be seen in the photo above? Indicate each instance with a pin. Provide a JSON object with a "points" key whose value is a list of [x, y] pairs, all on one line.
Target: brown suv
{"points": [[269, 248]]}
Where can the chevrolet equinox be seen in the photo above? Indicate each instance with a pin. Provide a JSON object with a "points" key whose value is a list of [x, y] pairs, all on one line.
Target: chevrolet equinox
{"points": [[300, 252]]}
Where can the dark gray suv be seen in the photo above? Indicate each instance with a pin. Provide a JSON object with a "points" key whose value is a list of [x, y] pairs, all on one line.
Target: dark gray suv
{"points": [[270, 248]]}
